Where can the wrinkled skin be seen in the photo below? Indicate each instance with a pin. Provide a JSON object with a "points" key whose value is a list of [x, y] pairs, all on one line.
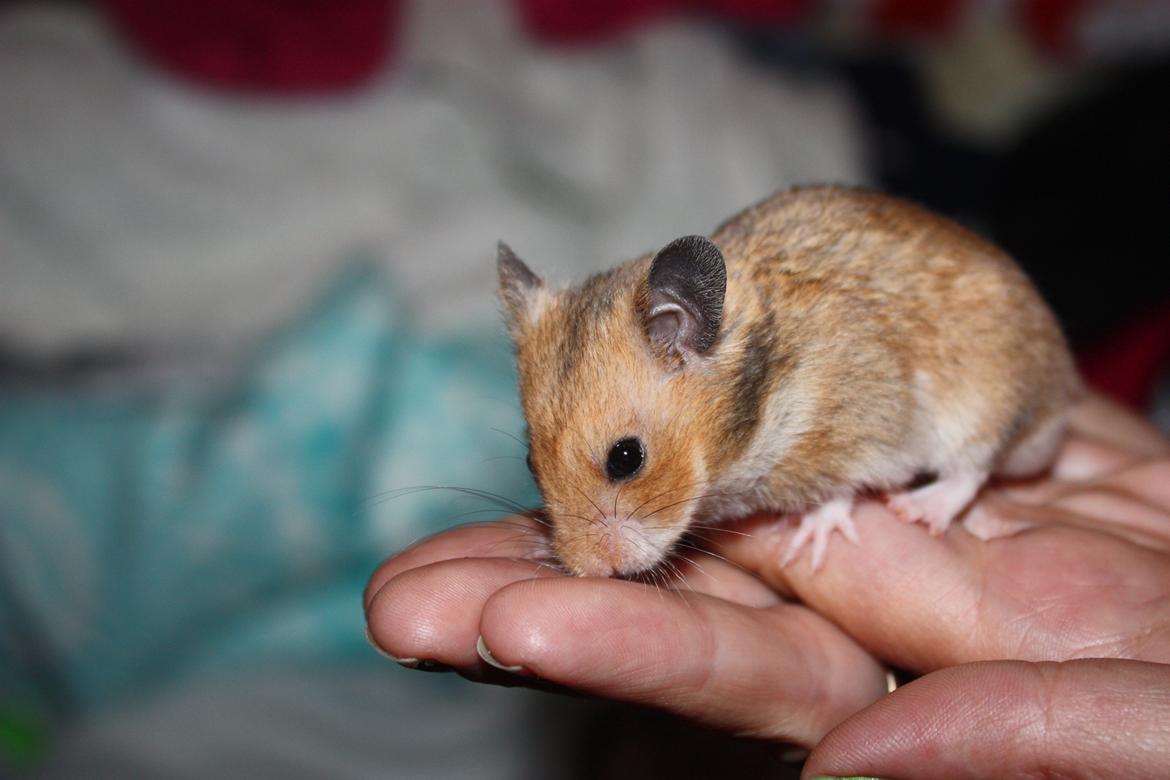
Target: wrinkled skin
{"points": [[744, 645]]}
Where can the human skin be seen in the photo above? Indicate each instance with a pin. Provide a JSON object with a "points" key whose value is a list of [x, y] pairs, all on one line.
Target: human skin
{"points": [[739, 643]]}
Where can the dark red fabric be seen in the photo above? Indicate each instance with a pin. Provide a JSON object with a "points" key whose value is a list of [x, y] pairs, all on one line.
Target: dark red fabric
{"points": [[1050, 23], [916, 17], [576, 22], [321, 45], [261, 45], [566, 21], [1128, 365], [295, 46]]}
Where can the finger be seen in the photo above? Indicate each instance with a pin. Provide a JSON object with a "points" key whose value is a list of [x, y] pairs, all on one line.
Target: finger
{"points": [[1148, 480], [431, 613], [1081, 459], [516, 537], [1115, 511], [429, 607], [1097, 417], [781, 673], [1133, 502], [882, 590], [1093, 718], [1049, 593], [701, 571], [1135, 522]]}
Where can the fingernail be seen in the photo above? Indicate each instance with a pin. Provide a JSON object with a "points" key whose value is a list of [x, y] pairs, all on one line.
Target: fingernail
{"points": [[489, 659], [421, 664]]}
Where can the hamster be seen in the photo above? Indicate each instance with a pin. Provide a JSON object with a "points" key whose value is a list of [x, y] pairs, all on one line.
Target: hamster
{"points": [[823, 343]]}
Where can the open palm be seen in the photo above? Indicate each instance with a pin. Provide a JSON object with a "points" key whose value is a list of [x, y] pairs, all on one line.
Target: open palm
{"points": [[1085, 573]]}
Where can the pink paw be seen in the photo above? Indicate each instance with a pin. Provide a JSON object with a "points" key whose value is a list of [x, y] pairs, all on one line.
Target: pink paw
{"points": [[818, 526], [937, 504]]}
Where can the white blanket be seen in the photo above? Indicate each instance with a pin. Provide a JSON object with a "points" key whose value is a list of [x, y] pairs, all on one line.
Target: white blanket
{"points": [[140, 212]]}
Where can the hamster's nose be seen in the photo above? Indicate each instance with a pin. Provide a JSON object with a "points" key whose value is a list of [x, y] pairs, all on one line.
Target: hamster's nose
{"points": [[609, 546]]}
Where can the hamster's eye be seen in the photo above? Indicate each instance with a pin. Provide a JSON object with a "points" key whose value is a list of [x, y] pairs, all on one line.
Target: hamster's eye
{"points": [[531, 469], [625, 459]]}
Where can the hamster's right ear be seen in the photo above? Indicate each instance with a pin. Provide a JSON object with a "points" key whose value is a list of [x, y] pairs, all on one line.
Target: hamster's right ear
{"points": [[521, 291], [684, 301]]}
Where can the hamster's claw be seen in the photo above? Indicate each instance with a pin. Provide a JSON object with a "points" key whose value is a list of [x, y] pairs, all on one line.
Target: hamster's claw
{"points": [[818, 525]]}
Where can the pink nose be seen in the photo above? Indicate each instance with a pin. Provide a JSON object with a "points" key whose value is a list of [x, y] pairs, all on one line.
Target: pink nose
{"points": [[608, 547]]}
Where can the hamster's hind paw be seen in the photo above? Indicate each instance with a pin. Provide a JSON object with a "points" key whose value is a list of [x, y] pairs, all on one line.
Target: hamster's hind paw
{"points": [[818, 525], [937, 504]]}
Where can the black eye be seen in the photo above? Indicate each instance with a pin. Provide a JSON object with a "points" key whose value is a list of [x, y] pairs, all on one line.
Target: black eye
{"points": [[625, 458], [528, 460]]}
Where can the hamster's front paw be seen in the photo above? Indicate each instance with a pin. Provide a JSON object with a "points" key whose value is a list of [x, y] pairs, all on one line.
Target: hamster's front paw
{"points": [[818, 525]]}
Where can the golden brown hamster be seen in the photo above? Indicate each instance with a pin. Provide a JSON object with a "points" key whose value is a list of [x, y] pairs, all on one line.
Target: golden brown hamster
{"points": [[824, 342]]}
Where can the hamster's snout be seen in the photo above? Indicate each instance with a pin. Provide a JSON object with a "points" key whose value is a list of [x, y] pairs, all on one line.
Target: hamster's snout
{"points": [[609, 546]]}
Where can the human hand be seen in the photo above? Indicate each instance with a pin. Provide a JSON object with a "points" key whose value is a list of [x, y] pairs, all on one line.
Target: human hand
{"points": [[717, 646], [1091, 580], [1087, 573]]}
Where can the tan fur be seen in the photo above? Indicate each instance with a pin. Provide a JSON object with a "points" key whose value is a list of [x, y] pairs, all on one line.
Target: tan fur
{"points": [[879, 339]]}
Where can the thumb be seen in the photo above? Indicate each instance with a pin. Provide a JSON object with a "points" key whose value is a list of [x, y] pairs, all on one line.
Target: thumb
{"points": [[1086, 718]]}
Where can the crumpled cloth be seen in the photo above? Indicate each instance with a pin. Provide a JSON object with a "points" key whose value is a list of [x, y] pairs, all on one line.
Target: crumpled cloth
{"points": [[140, 215]]}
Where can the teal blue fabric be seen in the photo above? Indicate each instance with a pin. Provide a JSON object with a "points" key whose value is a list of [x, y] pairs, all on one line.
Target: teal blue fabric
{"points": [[151, 538]]}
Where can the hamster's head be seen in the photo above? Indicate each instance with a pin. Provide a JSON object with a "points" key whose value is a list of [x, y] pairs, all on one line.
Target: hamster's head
{"points": [[614, 377]]}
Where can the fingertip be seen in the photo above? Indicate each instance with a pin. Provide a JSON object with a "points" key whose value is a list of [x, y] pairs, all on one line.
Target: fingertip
{"points": [[433, 612], [515, 635], [383, 574], [406, 619]]}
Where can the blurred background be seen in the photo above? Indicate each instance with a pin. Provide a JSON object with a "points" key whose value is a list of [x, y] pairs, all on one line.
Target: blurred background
{"points": [[247, 296]]}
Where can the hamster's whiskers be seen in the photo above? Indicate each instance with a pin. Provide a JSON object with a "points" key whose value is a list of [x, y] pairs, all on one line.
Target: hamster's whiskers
{"points": [[487, 495], [685, 500], [512, 436], [720, 529], [658, 496], [538, 545], [600, 514], [703, 550]]}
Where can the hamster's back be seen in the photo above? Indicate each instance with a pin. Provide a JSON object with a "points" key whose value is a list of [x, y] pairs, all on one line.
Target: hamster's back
{"points": [[953, 316]]}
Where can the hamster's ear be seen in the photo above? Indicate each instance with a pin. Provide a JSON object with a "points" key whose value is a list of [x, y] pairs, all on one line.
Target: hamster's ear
{"points": [[685, 289], [519, 290]]}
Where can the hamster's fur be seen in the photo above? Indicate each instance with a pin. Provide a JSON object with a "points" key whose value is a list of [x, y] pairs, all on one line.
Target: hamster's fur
{"points": [[823, 342]]}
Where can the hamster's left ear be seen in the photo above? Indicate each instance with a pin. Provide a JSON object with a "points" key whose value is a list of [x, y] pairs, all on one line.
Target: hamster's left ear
{"points": [[684, 300], [519, 289]]}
